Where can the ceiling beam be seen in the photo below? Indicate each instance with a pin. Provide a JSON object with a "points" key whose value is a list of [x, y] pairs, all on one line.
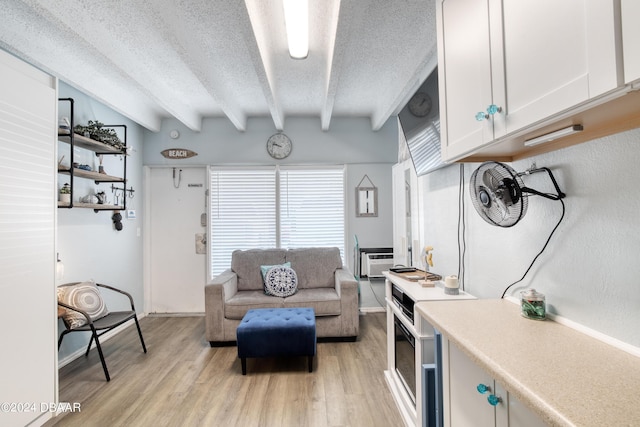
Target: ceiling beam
{"points": [[82, 69], [257, 33], [341, 18], [194, 49]]}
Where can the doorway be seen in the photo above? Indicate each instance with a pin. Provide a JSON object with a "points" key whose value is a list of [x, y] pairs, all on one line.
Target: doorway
{"points": [[176, 265]]}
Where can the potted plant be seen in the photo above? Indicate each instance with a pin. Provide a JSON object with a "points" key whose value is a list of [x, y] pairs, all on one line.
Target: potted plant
{"points": [[65, 194]]}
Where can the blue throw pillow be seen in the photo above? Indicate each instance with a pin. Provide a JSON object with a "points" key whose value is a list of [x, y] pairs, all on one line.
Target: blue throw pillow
{"points": [[280, 282]]}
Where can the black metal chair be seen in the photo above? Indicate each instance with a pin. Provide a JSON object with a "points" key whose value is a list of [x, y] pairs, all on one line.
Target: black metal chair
{"points": [[103, 324]]}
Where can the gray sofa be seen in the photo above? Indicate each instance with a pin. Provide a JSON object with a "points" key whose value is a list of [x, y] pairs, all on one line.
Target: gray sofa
{"points": [[323, 284]]}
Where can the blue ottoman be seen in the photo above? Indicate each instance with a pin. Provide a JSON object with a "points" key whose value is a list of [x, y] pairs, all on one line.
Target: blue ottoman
{"points": [[271, 332]]}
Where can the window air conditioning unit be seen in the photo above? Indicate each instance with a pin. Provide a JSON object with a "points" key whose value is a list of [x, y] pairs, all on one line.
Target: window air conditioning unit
{"points": [[377, 263]]}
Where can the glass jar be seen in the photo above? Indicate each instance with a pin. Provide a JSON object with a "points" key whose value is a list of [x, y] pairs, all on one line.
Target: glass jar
{"points": [[532, 304]]}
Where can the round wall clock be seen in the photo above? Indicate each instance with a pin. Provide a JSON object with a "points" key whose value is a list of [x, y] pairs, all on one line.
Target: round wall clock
{"points": [[279, 146], [420, 104]]}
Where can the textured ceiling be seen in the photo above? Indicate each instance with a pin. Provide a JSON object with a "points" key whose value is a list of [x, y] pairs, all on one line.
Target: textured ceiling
{"points": [[192, 59]]}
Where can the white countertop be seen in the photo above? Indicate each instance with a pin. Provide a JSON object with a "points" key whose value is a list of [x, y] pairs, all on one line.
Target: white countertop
{"points": [[419, 293], [565, 376]]}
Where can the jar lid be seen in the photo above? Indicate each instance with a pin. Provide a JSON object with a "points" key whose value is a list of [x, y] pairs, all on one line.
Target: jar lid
{"points": [[532, 295]]}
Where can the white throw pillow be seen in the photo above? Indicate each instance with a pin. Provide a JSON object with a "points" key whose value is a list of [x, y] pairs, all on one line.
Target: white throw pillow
{"points": [[281, 282], [84, 296]]}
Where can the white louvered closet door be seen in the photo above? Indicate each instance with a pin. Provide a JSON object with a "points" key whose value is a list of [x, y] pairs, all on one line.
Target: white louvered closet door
{"points": [[27, 242]]}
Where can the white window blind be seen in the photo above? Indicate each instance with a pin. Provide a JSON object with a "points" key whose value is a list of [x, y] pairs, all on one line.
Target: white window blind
{"points": [[242, 213], [249, 210], [312, 208]]}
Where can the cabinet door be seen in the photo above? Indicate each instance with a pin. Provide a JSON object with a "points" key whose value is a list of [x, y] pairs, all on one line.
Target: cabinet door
{"points": [[511, 412], [464, 69], [631, 39], [557, 54], [466, 406]]}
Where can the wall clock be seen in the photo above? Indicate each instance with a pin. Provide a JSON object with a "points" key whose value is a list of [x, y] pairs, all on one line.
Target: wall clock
{"points": [[279, 146], [420, 104]]}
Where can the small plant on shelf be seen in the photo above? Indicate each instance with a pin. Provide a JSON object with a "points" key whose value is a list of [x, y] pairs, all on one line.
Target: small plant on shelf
{"points": [[98, 132], [65, 189], [65, 193]]}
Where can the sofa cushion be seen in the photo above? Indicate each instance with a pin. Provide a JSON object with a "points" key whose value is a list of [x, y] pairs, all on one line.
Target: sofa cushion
{"points": [[238, 305], [325, 301], [280, 281], [246, 264], [315, 267]]}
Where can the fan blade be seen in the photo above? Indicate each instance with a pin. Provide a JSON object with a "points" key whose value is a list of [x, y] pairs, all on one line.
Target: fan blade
{"points": [[490, 180], [499, 198]]}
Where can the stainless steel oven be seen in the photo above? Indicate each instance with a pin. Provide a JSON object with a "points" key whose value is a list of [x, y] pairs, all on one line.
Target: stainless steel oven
{"points": [[405, 356]]}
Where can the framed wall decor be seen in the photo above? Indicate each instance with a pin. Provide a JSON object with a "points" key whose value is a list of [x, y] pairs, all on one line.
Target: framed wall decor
{"points": [[366, 199]]}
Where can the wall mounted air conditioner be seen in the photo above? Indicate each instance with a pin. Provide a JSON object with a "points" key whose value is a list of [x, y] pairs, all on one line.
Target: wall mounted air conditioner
{"points": [[377, 263]]}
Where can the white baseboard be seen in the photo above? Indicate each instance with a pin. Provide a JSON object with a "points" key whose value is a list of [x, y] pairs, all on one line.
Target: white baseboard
{"points": [[80, 352], [372, 310], [185, 314]]}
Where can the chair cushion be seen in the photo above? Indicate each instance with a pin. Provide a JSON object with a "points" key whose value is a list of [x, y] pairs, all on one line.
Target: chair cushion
{"points": [[280, 281], [84, 296]]}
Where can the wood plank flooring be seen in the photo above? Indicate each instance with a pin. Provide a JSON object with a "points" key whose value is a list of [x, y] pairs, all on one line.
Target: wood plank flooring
{"points": [[182, 381]]}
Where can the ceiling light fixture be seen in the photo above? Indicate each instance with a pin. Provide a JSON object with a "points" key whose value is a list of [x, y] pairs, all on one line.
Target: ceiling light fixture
{"points": [[553, 135], [296, 20]]}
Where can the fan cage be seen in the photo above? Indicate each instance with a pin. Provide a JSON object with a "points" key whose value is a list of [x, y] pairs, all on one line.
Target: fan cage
{"points": [[496, 194]]}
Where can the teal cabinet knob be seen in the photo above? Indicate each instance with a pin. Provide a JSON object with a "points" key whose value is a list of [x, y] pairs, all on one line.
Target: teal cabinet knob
{"points": [[493, 400], [482, 388], [493, 109], [481, 116]]}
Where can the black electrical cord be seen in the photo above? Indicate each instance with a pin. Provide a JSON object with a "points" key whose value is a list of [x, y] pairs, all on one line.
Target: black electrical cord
{"points": [[375, 295], [539, 253], [462, 247]]}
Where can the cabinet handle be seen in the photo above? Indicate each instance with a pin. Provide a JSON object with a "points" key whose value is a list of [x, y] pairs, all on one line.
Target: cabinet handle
{"points": [[492, 109], [493, 399], [482, 388], [482, 116]]}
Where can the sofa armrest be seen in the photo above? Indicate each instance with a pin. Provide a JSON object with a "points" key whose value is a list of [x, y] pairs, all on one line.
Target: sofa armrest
{"points": [[225, 282], [345, 281], [216, 293], [347, 289]]}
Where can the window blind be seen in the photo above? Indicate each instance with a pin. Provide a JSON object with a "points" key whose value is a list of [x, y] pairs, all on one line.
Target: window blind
{"points": [[242, 213], [274, 207], [312, 207]]}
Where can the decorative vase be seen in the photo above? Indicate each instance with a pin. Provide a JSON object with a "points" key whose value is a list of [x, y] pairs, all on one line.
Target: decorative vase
{"points": [[65, 197]]}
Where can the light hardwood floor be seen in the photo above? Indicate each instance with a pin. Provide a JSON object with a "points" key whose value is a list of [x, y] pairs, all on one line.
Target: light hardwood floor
{"points": [[182, 381]]}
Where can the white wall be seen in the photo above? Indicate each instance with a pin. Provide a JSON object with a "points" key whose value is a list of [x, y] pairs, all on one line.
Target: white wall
{"points": [[88, 243], [349, 141], [589, 272]]}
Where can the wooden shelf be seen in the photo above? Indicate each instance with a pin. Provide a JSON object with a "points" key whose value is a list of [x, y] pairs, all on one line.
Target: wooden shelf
{"points": [[95, 176], [88, 143], [94, 206], [118, 183]]}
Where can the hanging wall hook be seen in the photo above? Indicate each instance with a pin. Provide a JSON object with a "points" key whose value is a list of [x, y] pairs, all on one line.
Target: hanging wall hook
{"points": [[179, 178]]}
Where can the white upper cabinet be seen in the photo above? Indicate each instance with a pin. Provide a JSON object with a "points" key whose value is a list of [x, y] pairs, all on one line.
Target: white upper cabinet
{"points": [[464, 72], [507, 64], [631, 39]]}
